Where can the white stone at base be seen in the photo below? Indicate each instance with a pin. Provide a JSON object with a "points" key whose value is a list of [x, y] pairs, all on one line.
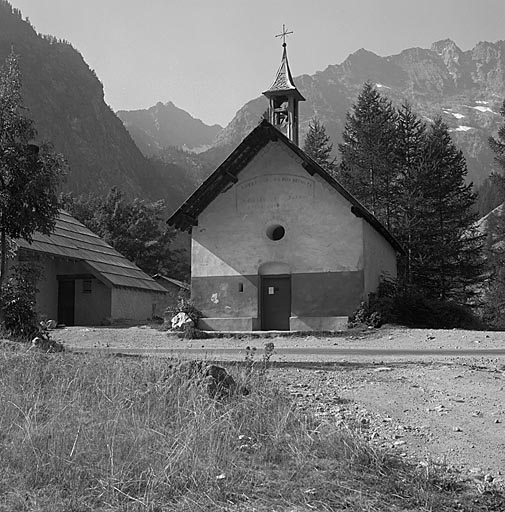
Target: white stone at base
{"points": [[296, 323], [318, 323], [246, 323]]}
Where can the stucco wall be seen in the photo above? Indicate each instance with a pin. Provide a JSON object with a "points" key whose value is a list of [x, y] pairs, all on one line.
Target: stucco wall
{"points": [[92, 308], [322, 235], [322, 248], [380, 259], [47, 296], [101, 305], [132, 305]]}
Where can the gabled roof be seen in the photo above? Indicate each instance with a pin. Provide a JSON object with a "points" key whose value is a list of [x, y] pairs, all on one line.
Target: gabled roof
{"points": [[283, 82], [227, 174], [72, 240], [176, 282]]}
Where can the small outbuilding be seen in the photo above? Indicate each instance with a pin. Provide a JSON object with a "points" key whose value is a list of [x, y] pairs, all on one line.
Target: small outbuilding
{"points": [[174, 289], [277, 242], [84, 281]]}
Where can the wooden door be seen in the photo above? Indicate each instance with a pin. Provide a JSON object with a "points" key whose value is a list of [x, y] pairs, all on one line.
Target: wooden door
{"points": [[66, 302], [275, 303]]}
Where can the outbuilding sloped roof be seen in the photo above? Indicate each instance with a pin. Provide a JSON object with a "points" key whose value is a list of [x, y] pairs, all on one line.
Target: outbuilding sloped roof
{"points": [[227, 174], [180, 284], [74, 241]]}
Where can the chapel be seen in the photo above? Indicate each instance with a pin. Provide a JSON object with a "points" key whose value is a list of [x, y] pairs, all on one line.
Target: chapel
{"points": [[277, 242]]}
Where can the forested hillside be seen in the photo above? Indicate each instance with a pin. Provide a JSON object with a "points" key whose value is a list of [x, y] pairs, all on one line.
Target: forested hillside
{"points": [[66, 100]]}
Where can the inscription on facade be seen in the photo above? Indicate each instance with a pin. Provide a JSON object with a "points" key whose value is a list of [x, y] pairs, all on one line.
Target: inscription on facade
{"points": [[273, 192]]}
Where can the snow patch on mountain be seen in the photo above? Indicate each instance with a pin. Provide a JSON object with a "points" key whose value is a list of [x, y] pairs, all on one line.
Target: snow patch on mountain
{"points": [[457, 115], [484, 109], [462, 128]]}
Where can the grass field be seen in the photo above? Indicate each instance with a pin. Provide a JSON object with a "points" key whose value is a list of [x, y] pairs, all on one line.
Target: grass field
{"points": [[94, 433]]}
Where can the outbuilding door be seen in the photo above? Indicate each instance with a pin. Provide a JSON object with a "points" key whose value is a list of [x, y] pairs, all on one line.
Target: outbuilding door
{"points": [[275, 303], [66, 302]]}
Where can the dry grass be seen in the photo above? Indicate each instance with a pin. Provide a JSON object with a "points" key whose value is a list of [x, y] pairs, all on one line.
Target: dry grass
{"points": [[91, 433]]}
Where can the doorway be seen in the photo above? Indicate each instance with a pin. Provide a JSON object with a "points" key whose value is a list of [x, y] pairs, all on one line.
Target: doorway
{"points": [[275, 302], [66, 302]]}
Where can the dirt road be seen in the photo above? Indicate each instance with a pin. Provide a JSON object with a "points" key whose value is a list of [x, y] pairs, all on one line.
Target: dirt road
{"points": [[448, 408]]}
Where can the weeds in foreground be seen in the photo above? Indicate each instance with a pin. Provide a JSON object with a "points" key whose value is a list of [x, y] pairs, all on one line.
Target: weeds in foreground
{"points": [[94, 434], [258, 366]]}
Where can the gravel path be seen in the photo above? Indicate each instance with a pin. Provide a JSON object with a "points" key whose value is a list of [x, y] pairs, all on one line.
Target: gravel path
{"points": [[448, 409]]}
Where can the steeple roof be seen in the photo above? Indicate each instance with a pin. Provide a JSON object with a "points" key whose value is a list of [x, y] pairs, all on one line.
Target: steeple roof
{"points": [[284, 82]]}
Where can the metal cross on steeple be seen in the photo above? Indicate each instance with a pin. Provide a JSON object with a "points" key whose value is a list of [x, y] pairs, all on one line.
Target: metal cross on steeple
{"points": [[284, 34]]}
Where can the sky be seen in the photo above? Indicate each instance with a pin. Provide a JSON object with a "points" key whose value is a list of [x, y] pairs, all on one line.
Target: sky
{"points": [[209, 57]]}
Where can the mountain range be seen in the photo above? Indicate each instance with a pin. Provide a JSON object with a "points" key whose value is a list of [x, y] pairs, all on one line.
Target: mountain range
{"points": [[66, 100], [165, 125], [466, 88]]}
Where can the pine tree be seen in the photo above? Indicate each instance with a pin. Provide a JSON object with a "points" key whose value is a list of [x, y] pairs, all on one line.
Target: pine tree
{"points": [[498, 144], [407, 223], [494, 295], [367, 151], [413, 179], [449, 261], [318, 146], [490, 194], [493, 303], [29, 174]]}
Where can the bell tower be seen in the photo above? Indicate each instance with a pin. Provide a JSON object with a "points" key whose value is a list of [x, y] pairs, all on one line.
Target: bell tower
{"points": [[283, 97]]}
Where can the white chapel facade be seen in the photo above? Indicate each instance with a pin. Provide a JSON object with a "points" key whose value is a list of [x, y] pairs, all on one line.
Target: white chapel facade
{"points": [[278, 243]]}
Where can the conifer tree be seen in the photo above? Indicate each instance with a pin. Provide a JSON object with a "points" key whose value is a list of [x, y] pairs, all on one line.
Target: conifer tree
{"points": [[413, 179], [490, 194], [449, 261], [29, 174], [407, 223], [493, 303], [318, 146], [494, 297], [497, 144], [367, 151]]}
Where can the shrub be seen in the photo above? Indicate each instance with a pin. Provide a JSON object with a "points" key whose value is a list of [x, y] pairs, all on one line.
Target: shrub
{"points": [[411, 307], [18, 301], [184, 305]]}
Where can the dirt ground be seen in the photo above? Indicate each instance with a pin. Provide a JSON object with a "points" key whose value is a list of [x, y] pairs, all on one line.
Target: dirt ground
{"points": [[432, 407]]}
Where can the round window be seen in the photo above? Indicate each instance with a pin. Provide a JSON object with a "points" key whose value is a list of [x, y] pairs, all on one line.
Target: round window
{"points": [[276, 232]]}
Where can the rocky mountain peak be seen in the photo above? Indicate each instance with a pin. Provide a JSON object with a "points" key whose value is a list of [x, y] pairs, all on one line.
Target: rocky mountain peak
{"points": [[487, 52], [361, 58], [452, 56], [446, 47], [164, 125]]}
